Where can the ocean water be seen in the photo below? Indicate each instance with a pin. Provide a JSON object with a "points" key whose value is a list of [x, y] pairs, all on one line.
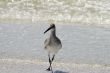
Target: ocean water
{"points": [[86, 12]]}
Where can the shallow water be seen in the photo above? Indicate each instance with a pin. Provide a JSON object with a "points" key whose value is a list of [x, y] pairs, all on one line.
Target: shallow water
{"points": [[80, 44]]}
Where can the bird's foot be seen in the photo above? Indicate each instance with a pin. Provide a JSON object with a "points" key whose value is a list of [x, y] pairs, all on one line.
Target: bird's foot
{"points": [[48, 69]]}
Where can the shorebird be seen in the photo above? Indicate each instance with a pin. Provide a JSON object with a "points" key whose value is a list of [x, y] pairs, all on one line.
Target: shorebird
{"points": [[52, 45]]}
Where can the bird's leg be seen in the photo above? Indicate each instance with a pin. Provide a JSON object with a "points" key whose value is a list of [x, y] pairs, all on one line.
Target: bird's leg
{"points": [[53, 57], [50, 62]]}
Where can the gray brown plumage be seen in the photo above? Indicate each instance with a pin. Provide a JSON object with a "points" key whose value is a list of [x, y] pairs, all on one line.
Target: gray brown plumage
{"points": [[52, 44]]}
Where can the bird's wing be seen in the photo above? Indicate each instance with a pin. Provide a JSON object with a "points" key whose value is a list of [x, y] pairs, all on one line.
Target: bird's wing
{"points": [[58, 40], [46, 42]]}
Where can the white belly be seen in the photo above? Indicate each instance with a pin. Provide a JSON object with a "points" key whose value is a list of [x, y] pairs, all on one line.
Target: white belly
{"points": [[53, 49]]}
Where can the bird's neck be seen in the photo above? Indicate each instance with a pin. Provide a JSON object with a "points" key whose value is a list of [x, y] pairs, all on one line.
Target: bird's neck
{"points": [[53, 33]]}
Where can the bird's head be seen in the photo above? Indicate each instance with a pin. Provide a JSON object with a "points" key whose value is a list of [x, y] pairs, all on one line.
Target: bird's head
{"points": [[52, 26]]}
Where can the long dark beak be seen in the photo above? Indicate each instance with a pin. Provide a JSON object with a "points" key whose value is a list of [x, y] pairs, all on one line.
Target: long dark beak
{"points": [[47, 29]]}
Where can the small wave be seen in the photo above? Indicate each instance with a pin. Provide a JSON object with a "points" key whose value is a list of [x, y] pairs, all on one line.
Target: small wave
{"points": [[76, 11]]}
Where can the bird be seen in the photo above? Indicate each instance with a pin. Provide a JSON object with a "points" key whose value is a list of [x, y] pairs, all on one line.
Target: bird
{"points": [[52, 45]]}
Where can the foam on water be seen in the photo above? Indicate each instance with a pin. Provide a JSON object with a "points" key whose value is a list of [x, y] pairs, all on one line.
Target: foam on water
{"points": [[93, 12]]}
